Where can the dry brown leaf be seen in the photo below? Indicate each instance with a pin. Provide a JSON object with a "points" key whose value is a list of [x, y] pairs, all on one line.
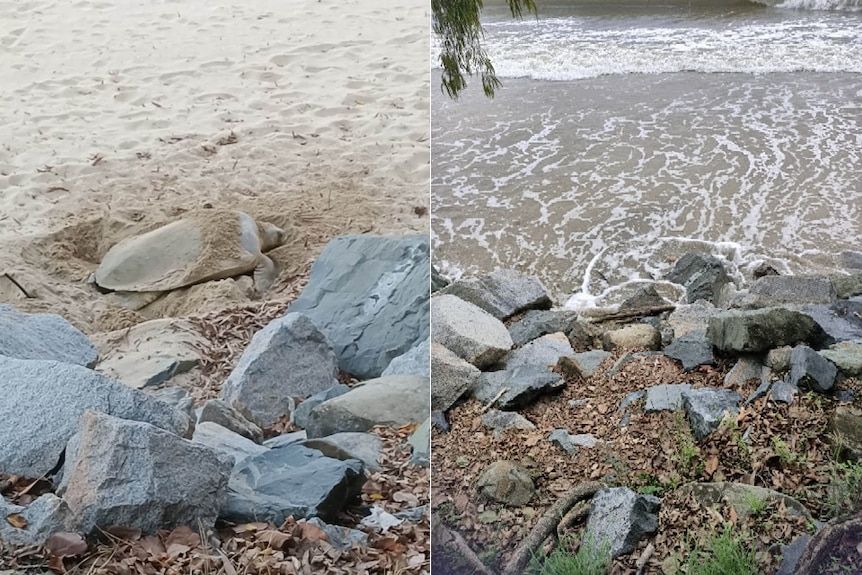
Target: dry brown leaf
{"points": [[66, 544], [311, 532], [711, 465], [16, 520]]}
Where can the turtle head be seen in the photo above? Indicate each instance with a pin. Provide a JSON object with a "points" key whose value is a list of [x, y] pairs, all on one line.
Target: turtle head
{"points": [[271, 236]]}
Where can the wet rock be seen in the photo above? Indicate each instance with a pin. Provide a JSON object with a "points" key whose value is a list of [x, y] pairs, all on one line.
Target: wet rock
{"points": [[847, 357], [369, 296], [665, 397], [350, 445], [809, 369], [776, 290], [45, 516], [289, 357], [523, 385], [543, 352], [184, 482], [537, 323], [451, 377], [500, 421], [392, 400], [217, 411], [745, 369], [761, 329], [507, 482], [703, 277], [502, 293], [783, 392], [618, 519], [413, 362], [691, 350], [300, 414], [633, 336], [292, 480], [44, 336], [468, 331], [707, 407], [225, 441], [43, 402], [583, 364], [342, 538]]}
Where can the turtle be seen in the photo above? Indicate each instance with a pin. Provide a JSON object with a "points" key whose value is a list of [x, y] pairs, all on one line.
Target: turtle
{"points": [[202, 246]]}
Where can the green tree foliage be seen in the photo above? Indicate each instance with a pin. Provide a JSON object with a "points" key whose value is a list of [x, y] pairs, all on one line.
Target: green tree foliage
{"points": [[456, 22]]}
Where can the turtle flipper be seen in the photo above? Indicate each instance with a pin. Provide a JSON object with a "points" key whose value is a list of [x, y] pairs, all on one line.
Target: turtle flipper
{"points": [[264, 275]]}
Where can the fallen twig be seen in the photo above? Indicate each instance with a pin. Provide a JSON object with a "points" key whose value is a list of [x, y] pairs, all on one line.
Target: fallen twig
{"points": [[493, 401]]}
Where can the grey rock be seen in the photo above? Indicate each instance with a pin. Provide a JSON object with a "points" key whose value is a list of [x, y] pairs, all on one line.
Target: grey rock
{"points": [[739, 496], [184, 482], [851, 260], [451, 377], [570, 443], [645, 298], [392, 400], [702, 276], [45, 516], [500, 421], [761, 329], [438, 420], [706, 408], [618, 519], [630, 399], [176, 397], [846, 425], [809, 369], [665, 397], [43, 402], [369, 296], [845, 395], [502, 293], [778, 359], [628, 358], [837, 320], [761, 391], [537, 323], [745, 369], [691, 318], [783, 392], [292, 480], [350, 445], [288, 358], [639, 335], [149, 353], [285, 439], [227, 442], [543, 352], [415, 361], [342, 538], [470, 332], [420, 441], [791, 554], [587, 363], [43, 336], [524, 384], [438, 282], [776, 290], [217, 411], [847, 285], [300, 414], [846, 355], [691, 350], [507, 482]]}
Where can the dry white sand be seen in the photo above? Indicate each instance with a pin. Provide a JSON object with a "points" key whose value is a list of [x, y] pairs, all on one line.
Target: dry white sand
{"points": [[122, 114]]}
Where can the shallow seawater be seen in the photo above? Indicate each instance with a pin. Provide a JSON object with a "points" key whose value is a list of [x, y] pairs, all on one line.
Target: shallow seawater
{"points": [[626, 135]]}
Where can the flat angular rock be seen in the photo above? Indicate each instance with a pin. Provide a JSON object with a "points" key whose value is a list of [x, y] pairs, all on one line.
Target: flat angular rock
{"points": [[745, 369], [583, 364], [761, 329], [783, 392], [45, 516], [414, 361], [846, 422], [369, 296], [292, 480], [43, 402], [537, 323], [300, 414], [227, 442], [638, 335], [776, 290], [451, 377], [847, 357], [665, 397], [438, 282], [468, 331], [523, 385], [618, 519], [570, 443], [702, 276], [219, 412], [285, 439], [350, 445], [149, 353], [507, 482], [706, 408], [543, 352], [691, 350], [811, 370], [838, 320], [500, 421], [691, 318], [133, 474], [761, 391], [502, 293], [847, 285], [392, 400], [176, 397], [289, 357], [43, 336], [739, 496]]}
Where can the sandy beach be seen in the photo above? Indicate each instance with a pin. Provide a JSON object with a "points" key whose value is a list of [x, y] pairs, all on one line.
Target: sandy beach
{"points": [[118, 116]]}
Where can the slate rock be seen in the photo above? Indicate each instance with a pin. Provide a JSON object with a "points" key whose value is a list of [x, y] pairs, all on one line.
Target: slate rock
{"points": [[583, 364], [667, 397], [702, 276], [745, 369], [630, 399], [524, 384], [300, 414], [289, 357], [502, 293], [739, 496], [134, 474], [227, 442], [808, 369], [761, 329], [847, 357], [691, 318], [791, 554], [285, 439], [783, 392], [292, 480], [838, 321], [219, 412], [691, 350], [47, 515], [415, 361], [618, 519], [500, 421], [392, 400], [44, 336], [707, 407], [645, 298], [761, 391], [451, 377], [420, 441], [350, 445], [776, 290], [507, 482], [369, 296], [56, 395], [438, 282], [149, 353], [468, 331], [639, 335], [176, 397], [342, 538], [569, 442], [543, 352], [536, 323]]}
